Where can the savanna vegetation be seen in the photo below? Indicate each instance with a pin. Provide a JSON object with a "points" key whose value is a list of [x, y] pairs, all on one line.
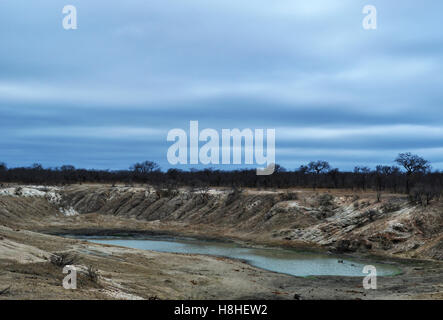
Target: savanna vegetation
{"points": [[411, 175]]}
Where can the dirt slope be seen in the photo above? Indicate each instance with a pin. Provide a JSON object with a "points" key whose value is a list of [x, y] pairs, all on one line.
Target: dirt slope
{"points": [[344, 221], [337, 220], [341, 221]]}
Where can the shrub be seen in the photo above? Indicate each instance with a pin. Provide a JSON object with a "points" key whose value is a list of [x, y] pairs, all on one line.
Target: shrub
{"points": [[390, 207], [378, 196], [93, 274], [18, 191], [287, 196], [372, 214], [365, 204], [325, 200], [63, 259], [422, 195]]}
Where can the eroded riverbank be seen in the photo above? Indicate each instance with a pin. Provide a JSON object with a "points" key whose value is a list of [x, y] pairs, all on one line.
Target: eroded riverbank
{"points": [[29, 224]]}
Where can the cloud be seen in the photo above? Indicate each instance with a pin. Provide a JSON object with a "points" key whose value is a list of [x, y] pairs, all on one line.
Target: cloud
{"points": [[114, 133], [107, 93]]}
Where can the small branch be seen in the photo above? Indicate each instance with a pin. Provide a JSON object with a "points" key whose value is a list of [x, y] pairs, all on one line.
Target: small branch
{"points": [[5, 291]]}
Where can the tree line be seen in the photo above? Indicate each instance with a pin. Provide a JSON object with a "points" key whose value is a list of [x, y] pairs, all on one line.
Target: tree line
{"points": [[411, 175]]}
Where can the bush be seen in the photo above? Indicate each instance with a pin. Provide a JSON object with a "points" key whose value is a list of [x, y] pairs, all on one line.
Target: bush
{"points": [[18, 191], [63, 259], [364, 204], [423, 195], [378, 196], [287, 196], [390, 207], [372, 214], [93, 274], [325, 200]]}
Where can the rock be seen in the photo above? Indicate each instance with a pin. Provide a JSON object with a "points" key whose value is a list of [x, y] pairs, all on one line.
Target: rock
{"points": [[297, 296]]}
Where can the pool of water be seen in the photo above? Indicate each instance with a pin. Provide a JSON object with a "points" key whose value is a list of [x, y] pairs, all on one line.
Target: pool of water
{"points": [[274, 259]]}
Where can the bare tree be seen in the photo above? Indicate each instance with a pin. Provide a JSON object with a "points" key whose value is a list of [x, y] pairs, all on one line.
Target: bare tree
{"points": [[317, 168], [317, 174], [413, 164], [143, 169]]}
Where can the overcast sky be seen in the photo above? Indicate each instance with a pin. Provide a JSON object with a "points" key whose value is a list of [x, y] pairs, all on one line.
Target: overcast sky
{"points": [[106, 94]]}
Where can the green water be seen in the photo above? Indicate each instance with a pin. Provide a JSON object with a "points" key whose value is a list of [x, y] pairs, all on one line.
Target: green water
{"points": [[274, 259]]}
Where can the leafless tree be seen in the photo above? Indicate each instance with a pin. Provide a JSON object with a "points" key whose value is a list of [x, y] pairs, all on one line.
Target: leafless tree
{"points": [[413, 164], [144, 167], [315, 174], [317, 168]]}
